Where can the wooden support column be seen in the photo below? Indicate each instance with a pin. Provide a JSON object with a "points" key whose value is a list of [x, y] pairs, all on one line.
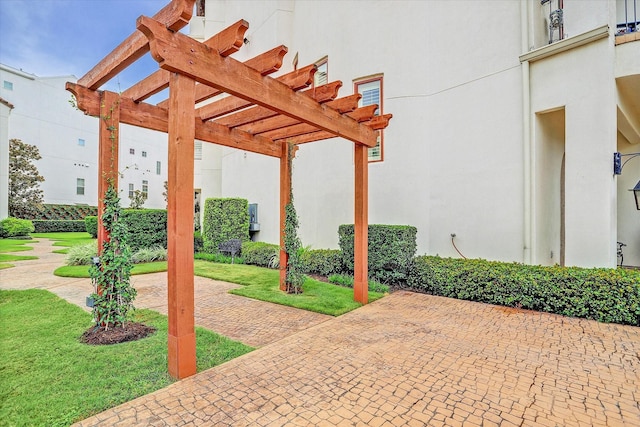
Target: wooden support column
{"points": [[108, 135], [182, 339], [361, 224], [285, 198]]}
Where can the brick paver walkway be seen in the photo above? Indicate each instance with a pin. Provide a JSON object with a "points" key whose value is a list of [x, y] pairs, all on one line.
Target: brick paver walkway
{"points": [[415, 360]]}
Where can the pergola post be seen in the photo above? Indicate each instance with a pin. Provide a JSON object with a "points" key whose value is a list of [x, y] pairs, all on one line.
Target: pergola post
{"points": [[181, 126], [108, 138], [361, 225], [285, 198]]}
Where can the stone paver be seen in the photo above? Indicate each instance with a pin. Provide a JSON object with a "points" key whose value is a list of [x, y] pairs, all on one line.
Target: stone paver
{"points": [[416, 360]]}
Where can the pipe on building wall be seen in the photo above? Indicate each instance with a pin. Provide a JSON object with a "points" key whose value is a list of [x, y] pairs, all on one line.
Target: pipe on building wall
{"points": [[527, 190]]}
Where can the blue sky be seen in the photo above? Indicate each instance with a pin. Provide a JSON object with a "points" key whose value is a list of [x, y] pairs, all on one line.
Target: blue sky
{"points": [[68, 37]]}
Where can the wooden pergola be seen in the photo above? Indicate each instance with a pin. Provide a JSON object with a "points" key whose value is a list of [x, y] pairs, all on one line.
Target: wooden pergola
{"points": [[261, 114]]}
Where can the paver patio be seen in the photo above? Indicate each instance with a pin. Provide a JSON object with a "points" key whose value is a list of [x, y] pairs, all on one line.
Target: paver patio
{"points": [[416, 360]]}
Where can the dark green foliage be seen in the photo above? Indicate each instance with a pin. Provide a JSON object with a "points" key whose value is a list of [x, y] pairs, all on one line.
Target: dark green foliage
{"points": [[15, 227], [25, 195], [224, 219], [605, 295], [147, 227], [261, 254], [293, 247], [64, 212], [391, 251], [113, 295], [91, 225], [322, 261], [347, 281], [198, 243], [56, 226], [219, 258]]}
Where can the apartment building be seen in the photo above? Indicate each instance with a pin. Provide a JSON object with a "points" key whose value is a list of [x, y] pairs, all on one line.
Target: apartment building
{"points": [[506, 118], [39, 111]]}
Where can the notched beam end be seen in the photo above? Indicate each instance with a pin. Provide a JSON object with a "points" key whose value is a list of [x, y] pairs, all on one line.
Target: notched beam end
{"points": [[183, 10], [379, 122], [87, 100]]}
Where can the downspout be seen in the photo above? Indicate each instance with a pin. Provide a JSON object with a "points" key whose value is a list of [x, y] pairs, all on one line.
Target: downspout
{"points": [[527, 190]]}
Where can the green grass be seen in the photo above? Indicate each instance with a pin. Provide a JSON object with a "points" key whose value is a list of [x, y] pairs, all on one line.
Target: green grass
{"points": [[264, 284], [82, 271], [14, 245], [66, 240], [49, 378]]}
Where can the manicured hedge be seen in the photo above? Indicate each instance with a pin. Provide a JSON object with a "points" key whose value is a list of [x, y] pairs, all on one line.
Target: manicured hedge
{"points": [[58, 226], [605, 295], [224, 219], [261, 254], [15, 227], [322, 261], [391, 251], [91, 225], [147, 227], [64, 212]]}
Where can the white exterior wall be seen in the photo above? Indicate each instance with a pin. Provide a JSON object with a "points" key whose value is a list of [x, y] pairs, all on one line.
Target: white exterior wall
{"points": [[455, 150], [5, 111], [44, 117]]}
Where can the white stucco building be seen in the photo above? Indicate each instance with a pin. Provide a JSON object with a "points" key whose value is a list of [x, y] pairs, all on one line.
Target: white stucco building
{"points": [[506, 117], [43, 115]]}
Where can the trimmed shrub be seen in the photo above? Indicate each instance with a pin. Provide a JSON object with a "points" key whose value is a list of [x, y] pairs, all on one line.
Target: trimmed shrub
{"points": [[15, 227], [91, 225], [322, 261], [64, 212], [391, 251], [347, 281], [605, 295], [224, 219], [146, 227], [261, 254], [198, 244], [58, 225]]}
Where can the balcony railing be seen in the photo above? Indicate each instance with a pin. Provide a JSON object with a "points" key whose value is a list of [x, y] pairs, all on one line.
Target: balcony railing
{"points": [[631, 22]]}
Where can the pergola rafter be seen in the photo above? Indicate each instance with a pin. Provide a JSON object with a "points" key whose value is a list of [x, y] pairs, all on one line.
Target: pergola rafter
{"points": [[260, 114]]}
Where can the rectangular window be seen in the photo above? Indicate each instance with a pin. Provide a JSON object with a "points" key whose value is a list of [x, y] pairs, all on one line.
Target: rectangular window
{"points": [[7, 85], [131, 191], [371, 91], [80, 186], [81, 142], [145, 188], [158, 168], [321, 77], [197, 150], [132, 151], [144, 154]]}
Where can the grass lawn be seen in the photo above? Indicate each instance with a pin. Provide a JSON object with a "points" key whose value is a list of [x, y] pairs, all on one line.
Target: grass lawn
{"points": [[66, 240], [81, 271], [264, 284], [49, 378], [14, 245]]}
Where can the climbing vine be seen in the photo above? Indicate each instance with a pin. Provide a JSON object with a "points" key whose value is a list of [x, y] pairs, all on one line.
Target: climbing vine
{"points": [[292, 244]]}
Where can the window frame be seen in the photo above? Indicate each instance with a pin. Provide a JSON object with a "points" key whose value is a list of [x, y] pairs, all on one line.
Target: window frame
{"points": [[80, 189], [356, 89], [131, 190]]}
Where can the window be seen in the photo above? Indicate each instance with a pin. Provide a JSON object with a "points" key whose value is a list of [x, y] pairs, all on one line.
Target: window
{"points": [[145, 188], [197, 150], [158, 168], [131, 191], [7, 85], [144, 154], [81, 142], [80, 186], [132, 151], [371, 91], [321, 77], [200, 7]]}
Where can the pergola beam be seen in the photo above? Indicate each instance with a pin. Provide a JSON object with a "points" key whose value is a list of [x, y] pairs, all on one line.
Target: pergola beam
{"points": [[173, 17], [179, 53], [295, 80]]}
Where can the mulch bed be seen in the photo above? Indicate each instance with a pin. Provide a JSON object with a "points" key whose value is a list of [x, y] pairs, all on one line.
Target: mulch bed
{"points": [[130, 331]]}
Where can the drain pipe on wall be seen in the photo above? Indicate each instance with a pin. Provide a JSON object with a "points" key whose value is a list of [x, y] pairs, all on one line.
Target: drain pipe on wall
{"points": [[527, 190]]}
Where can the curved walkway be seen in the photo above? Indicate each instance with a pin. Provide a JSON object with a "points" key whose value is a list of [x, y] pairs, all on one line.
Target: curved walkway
{"points": [[416, 360]]}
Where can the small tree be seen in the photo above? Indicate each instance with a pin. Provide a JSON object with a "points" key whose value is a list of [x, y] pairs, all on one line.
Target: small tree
{"points": [[113, 294], [25, 195], [138, 199]]}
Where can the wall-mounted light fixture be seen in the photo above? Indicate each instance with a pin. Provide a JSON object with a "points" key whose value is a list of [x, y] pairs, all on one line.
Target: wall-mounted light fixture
{"points": [[618, 165]]}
